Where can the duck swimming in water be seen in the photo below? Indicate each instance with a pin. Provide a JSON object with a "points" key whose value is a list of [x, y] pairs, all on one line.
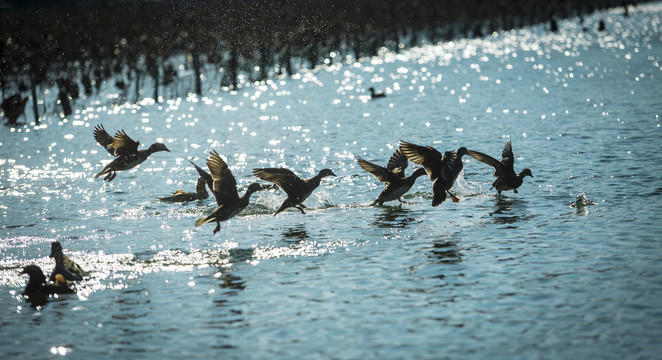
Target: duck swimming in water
{"points": [[506, 178], [37, 290], [393, 175], [183, 196], [63, 265], [225, 191], [376, 94], [124, 149], [297, 189], [443, 169]]}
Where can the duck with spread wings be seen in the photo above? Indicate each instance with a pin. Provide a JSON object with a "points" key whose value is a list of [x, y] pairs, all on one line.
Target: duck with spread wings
{"points": [[506, 178], [125, 150], [393, 175], [443, 169], [224, 189], [297, 189]]}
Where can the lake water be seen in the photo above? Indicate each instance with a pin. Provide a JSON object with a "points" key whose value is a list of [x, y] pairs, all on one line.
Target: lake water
{"points": [[570, 267]]}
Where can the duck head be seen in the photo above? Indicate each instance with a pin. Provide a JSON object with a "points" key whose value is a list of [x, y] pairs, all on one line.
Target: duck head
{"points": [[36, 275], [462, 151], [157, 147], [525, 172], [56, 248], [256, 187], [325, 173], [418, 172]]}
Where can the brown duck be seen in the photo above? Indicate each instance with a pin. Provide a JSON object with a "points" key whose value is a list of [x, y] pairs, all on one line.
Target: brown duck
{"points": [[506, 178], [443, 169], [124, 149], [225, 192], [183, 196], [297, 189], [393, 175]]}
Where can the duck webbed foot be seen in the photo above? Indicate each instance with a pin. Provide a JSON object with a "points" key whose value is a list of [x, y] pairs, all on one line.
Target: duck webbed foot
{"points": [[453, 197], [300, 208], [110, 176], [218, 227], [404, 202]]}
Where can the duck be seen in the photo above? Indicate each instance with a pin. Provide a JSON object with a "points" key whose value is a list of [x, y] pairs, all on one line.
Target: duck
{"points": [[297, 189], [376, 94], [124, 149], [393, 175], [13, 107], [442, 169], [37, 290], [506, 178], [183, 196], [63, 265], [225, 192]]}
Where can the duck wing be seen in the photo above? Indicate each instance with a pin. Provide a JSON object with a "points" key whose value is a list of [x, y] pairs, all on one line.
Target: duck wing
{"points": [[381, 173], [124, 145], [484, 158], [208, 180], [288, 181], [426, 156], [225, 185], [397, 163], [507, 157], [104, 139]]}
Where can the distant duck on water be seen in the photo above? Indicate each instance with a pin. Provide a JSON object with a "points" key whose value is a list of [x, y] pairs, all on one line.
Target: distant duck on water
{"points": [[124, 149], [443, 169], [376, 94], [506, 178], [393, 175]]}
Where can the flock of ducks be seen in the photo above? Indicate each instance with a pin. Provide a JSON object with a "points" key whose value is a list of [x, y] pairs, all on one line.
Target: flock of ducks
{"points": [[443, 170]]}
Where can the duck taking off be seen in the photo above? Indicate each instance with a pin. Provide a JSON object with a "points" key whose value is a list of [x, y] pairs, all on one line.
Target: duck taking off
{"points": [[506, 178], [124, 149], [393, 175], [224, 188], [297, 189], [443, 169]]}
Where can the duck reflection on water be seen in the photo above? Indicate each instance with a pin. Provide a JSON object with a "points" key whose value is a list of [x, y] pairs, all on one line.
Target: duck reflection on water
{"points": [[507, 211], [296, 234], [395, 217]]}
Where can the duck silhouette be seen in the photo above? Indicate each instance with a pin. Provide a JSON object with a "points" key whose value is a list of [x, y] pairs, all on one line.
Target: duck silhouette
{"points": [[183, 196], [124, 149], [224, 188], [506, 178], [63, 265], [393, 175], [443, 169], [297, 189], [376, 94], [37, 290]]}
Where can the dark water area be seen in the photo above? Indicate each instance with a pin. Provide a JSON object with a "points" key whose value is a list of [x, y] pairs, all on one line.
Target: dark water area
{"points": [[567, 267]]}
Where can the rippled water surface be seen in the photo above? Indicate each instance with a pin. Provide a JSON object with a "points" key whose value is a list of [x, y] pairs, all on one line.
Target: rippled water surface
{"points": [[568, 267]]}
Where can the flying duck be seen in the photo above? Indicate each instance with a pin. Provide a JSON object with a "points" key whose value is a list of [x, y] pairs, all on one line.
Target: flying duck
{"points": [[182, 196], [393, 175], [124, 149], [443, 169], [63, 265], [224, 188], [297, 189], [506, 178]]}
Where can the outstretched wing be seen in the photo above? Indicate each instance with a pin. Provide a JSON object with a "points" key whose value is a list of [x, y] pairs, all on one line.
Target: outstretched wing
{"points": [[507, 157], [398, 163], [426, 156], [225, 185], [288, 181], [208, 180], [382, 174], [484, 158], [104, 139], [124, 145]]}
